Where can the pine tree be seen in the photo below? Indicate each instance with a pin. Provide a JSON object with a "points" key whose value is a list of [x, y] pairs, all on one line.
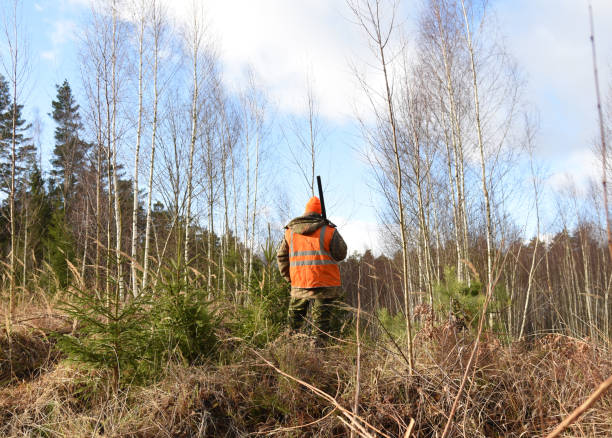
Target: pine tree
{"points": [[70, 150]]}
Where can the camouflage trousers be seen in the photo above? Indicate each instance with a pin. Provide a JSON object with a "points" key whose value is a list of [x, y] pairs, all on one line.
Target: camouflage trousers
{"points": [[325, 314]]}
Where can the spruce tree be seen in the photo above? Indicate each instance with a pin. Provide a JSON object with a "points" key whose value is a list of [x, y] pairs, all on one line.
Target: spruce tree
{"points": [[39, 210], [25, 155], [70, 150], [59, 247]]}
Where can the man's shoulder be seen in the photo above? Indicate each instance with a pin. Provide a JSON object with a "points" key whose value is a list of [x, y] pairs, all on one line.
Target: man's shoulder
{"points": [[306, 218], [305, 224]]}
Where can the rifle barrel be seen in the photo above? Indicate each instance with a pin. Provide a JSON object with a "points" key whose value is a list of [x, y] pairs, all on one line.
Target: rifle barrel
{"points": [[323, 213]]}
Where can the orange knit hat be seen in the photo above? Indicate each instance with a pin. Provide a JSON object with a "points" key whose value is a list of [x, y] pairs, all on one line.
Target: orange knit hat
{"points": [[313, 206]]}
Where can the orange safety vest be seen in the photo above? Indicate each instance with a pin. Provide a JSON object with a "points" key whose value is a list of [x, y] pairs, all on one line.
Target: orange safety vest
{"points": [[310, 261]]}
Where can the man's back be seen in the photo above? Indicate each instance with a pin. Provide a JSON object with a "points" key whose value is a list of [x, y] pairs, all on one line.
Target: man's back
{"points": [[308, 225]]}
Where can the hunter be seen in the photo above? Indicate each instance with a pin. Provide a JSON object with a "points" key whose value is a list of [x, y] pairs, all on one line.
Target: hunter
{"points": [[308, 258]]}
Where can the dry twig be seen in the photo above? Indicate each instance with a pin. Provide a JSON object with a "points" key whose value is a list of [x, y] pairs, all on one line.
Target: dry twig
{"points": [[354, 418], [582, 408]]}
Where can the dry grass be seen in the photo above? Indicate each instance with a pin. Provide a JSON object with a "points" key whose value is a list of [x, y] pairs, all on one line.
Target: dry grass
{"points": [[515, 391], [30, 347]]}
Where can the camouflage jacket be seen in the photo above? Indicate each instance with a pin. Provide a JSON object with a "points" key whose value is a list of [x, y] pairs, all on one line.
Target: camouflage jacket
{"points": [[304, 225]]}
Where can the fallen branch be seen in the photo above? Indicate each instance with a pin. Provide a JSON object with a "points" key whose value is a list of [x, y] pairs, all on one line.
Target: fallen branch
{"points": [[582, 408]]}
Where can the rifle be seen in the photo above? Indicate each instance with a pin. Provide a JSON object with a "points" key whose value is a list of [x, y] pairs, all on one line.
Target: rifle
{"points": [[323, 213], [321, 198]]}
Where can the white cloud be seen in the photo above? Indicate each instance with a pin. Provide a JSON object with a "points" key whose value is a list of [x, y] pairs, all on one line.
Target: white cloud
{"points": [[49, 55], [551, 42], [360, 235], [580, 166], [284, 42], [63, 32]]}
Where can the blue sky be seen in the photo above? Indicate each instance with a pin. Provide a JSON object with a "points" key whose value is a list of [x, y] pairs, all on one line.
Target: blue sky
{"points": [[286, 41]]}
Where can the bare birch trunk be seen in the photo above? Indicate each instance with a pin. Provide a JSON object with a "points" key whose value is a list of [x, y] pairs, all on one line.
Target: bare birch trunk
{"points": [[15, 53], [312, 142], [195, 53], [245, 258], [110, 209], [422, 223], [572, 289], [109, 172], [235, 196], [86, 240], [371, 23], [437, 231], [141, 28], [461, 224], [98, 181], [209, 242], [156, 23], [529, 285], [400, 202], [209, 246], [513, 283], [535, 249], [225, 241], [456, 214], [114, 138], [252, 241], [485, 191]]}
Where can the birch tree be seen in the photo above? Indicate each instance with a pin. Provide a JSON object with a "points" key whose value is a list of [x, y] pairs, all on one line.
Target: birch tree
{"points": [[440, 33], [253, 108], [113, 139], [103, 57], [307, 147], [16, 68], [91, 64], [536, 192], [140, 16], [194, 41], [369, 15], [157, 29]]}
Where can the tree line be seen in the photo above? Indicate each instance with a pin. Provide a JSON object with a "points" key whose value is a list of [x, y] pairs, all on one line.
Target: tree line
{"points": [[452, 129], [153, 91]]}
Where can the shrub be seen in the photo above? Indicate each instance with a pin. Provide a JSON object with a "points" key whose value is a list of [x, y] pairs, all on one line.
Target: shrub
{"points": [[135, 337], [264, 314], [183, 323], [112, 331], [394, 325], [464, 301]]}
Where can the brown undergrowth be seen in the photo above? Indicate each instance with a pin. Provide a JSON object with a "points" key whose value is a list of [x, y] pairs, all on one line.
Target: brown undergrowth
{"points": [[519, 390], [29, 350]]}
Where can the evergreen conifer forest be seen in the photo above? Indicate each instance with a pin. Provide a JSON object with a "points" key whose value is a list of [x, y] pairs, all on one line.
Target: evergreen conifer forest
{"points": [[139, 289]]}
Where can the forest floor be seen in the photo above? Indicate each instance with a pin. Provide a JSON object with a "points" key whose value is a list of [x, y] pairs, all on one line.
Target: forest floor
{"points": [[516, 390]]}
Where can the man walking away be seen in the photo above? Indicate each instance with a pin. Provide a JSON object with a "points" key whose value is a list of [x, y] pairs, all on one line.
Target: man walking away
{"points": [[308, 258]]}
